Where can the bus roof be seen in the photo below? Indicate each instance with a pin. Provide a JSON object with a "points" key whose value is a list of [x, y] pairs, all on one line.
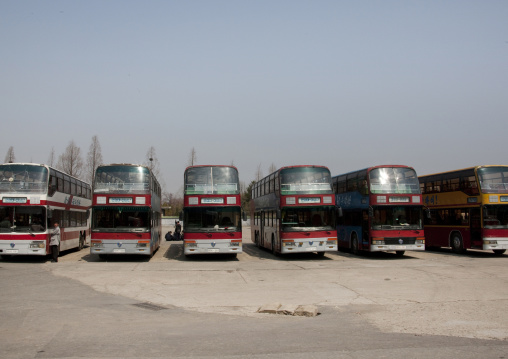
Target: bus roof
{"points": [[43, 165], [368, 169], [197, 166], [461, 169]]}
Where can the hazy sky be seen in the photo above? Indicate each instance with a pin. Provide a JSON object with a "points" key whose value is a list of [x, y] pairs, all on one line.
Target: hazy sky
{"points": [[345, 84]]}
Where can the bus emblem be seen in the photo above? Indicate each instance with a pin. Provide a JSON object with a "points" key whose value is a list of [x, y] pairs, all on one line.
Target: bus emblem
{"points": [[213, 244], [401, 241], [119, 244], [12, 245], [311, 242]]}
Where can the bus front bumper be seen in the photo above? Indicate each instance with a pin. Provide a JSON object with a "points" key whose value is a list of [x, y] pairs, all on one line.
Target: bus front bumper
{"points": [[23, 247], [210, 247], [120, 247], [493, 243]]}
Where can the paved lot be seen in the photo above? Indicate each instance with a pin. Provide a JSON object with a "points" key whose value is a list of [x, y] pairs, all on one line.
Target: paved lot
{"points": [[428, 304]]}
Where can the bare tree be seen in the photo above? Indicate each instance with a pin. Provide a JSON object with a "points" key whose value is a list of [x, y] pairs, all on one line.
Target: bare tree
{"points": [[93, 159], [70, 161], [152, 162], [259, 173], [192, 157], [9, 157], [51, 158], [272, 168]]}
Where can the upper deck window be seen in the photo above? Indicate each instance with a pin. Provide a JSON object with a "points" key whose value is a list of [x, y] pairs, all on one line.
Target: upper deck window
{"points": [[305, 180], [18, 178], [394, 180], [493, 179], [211, 180], [122, 179]]}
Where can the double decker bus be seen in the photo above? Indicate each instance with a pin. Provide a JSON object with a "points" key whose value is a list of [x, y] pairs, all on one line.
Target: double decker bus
{"points": [[32, 198], [293, 211], [126, 211], [468, 208], [380, 209], [212, 221]]}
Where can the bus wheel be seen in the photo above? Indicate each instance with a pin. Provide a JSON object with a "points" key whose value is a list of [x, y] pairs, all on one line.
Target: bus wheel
{"points": [[256, 239], [321, 254], [457, 243], [354, 245], [498, 252], [399, 253], [103, 256]]}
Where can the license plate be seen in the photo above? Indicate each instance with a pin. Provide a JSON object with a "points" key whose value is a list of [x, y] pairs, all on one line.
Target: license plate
{"points": [[398, 247], [121, 250], [213, 250], [311, 248], [11, 251]]}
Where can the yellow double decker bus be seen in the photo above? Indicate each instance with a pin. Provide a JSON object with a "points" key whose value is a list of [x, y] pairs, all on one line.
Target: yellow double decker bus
{"points": [[468, 209]]}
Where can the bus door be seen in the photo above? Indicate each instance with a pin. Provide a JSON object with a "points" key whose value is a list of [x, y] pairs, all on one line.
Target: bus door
{"points": [[262, 229], [476, 228]]}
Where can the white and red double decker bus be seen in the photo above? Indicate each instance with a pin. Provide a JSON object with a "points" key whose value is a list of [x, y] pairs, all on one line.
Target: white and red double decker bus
{"points": [[126, 211], [380, 209], [212, 220], [32, 198], [293, 210]]}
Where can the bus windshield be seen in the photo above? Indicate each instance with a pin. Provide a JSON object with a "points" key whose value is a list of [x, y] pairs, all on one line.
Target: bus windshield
{"points": [[308, 219], [122, 179], [22, 219], [394, 180], [23, 178], [495, 216], [121, 219], [397, 217], [211, 180], [212, 219], [305, 180], [493, 179]]}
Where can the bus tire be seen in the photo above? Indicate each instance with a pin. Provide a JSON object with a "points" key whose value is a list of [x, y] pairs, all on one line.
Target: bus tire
{"points": [[256, 239], [499, 252], [457, 243], [399, 253], [321, 254], [354, 244], [103, 256]]}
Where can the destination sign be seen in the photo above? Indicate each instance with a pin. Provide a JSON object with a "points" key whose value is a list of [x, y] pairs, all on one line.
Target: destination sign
{"points": [[212, 200], [14, 199], [120, 200]]}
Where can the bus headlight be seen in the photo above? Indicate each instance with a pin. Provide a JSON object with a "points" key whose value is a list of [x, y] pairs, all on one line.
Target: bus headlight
{"points": [[331, 243], [142, 244], [235, 244], [288, 243], [378, 242], [191, 244], [37, 244], [97, 244], [488, 241], [420, 241]]}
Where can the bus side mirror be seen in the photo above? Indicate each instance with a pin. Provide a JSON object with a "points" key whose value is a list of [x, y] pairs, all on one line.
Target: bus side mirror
{"points": [[427, 213], [339, 212]]}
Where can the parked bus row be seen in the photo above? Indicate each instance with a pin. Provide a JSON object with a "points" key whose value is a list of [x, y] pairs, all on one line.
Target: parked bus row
{"points": [[295, 209]]}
